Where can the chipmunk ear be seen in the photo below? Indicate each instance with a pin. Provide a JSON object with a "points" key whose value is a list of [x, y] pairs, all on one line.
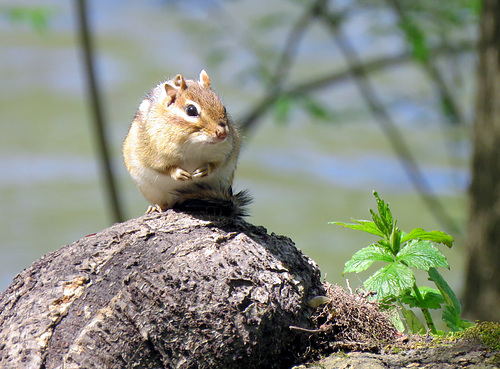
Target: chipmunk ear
{"points": [[173, 88], [180, 82], [204, 79], [171, 91]]}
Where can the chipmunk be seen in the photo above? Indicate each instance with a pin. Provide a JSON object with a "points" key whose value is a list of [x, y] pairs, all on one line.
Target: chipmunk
{"points": [[182, 145]]}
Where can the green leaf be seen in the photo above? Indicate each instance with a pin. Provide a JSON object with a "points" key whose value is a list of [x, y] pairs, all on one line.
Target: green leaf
{"points": [[414, 325], [452, 319], [464, 324], [379, 223], [395, 240], [434, 236], [452, 309], [397, 321], [448, 295], [383, 220], [385, 245], [421, 254], [431, 298], [388, 304], [364, 258], [362, 225], [390, 281]]}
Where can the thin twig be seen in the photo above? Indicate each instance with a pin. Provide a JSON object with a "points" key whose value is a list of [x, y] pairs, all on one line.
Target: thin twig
{"points": [[95, 106], [295, 328], [282, 68], [348, 286], [454, 115], [250, 119], [451, 110], [293, 40]]}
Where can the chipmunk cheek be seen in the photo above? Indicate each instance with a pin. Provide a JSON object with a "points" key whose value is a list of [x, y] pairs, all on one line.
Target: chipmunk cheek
{"points": [[199, 137]]}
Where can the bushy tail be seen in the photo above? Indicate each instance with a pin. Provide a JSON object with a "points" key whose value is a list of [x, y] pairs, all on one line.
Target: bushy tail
{"points": [[204, 198]]}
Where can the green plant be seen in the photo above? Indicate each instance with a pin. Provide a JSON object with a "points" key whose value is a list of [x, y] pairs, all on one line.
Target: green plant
{"points": [[394, 284]]}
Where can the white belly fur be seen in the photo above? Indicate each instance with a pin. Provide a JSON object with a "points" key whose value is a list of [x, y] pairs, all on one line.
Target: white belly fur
{"points": [[160, 189]]}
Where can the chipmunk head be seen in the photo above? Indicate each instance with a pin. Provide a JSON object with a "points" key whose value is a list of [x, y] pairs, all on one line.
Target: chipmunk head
{"points": [[193, 109]]}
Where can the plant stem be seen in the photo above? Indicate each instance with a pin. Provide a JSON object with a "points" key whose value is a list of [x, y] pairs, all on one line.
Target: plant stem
{"points": [[425, 311]]}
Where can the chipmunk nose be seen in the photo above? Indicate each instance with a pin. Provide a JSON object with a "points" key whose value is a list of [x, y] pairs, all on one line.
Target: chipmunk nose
{"points": [[221, 131]]}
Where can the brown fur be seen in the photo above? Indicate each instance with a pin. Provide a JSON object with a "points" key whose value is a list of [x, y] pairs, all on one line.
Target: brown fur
{"points": [[165, 139]]}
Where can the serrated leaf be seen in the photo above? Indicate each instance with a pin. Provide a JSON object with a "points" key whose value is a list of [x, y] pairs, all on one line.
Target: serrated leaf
{"points": [[421, 254], [379, 223], [383, 208], [365, 257], [431, 298], [384, 215], [434, 236], [390, 281], [362, 225]]}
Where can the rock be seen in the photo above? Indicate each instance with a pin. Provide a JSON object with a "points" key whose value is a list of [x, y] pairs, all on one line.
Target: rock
{"points": [[164, 290]]}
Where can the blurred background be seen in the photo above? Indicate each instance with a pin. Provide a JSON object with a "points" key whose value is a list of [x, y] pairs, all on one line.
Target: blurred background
{"points": [[335, 98]]}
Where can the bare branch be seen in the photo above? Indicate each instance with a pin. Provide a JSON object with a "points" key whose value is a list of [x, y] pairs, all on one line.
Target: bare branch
{"points": [[282, 69], [291, 44], [385, 121], [454, 115], [98, 116], [250, 119]]}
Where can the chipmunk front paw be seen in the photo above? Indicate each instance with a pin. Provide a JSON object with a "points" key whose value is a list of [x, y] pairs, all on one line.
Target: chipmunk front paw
{"points": [[180, 174], [202, 171]]}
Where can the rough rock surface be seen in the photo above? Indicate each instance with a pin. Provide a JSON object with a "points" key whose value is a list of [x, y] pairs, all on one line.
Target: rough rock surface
{"points": [[161, 291], [467, 355]]}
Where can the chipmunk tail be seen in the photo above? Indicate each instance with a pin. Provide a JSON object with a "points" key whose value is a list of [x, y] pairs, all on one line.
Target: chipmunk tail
{"points": [[203, 198]]}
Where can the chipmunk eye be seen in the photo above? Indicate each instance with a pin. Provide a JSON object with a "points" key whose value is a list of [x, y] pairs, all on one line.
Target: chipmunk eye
{"points": [[191, 110]]}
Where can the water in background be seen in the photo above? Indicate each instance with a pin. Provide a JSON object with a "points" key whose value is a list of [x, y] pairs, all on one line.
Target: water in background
{"points": [[302, 174]]}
